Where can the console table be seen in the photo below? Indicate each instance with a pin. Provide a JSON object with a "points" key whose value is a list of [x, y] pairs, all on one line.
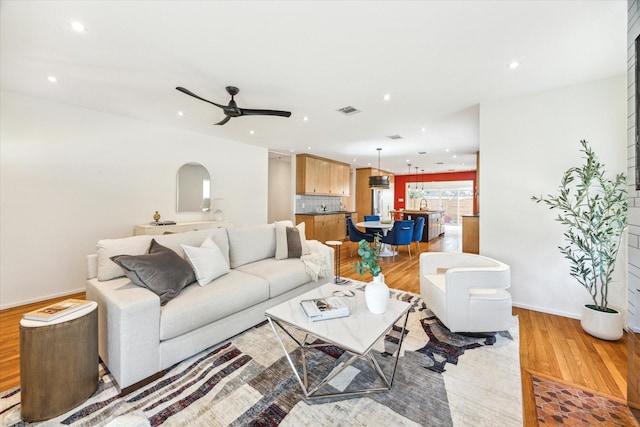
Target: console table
{"points": [[180, 227]]}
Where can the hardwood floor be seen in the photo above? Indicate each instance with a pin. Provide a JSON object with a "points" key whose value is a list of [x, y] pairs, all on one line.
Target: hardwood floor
{"points": [[552, 347]]}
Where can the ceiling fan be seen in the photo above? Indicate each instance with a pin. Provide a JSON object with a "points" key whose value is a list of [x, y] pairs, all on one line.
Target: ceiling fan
{"points": [[232, 110]]}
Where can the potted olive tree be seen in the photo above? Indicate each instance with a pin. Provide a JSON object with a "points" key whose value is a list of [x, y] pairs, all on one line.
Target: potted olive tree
{"points": [[593, 208]]}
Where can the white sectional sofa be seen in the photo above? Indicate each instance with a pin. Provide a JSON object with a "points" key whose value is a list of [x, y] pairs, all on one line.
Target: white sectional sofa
{"points": [[139, 337]]}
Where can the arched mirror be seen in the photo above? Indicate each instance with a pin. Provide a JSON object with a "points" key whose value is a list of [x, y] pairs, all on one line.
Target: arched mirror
{"points": [[194, 188]]}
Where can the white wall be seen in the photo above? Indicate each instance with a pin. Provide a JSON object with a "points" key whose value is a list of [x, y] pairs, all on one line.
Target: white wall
{"points": [[280, 196], [526, 144], [71, 176], [634, 196]]}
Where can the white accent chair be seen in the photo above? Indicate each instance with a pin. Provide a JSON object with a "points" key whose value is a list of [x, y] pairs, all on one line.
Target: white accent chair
{"points": [[466, 291]]}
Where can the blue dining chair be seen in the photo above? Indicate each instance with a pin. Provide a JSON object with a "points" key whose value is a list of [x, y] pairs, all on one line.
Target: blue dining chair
{"points": [[400, 235], [372, 231], [418, 230], [356, 235]]}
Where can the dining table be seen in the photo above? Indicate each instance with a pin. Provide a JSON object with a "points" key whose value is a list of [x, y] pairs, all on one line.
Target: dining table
{"points": [[384, 227]]}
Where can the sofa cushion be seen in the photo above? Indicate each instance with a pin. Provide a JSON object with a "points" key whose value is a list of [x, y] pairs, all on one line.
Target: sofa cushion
{"points": [[195, 238], [161, 271], [138, 245], [250, 244], [290, 248], [282, 275], [437, 280], [281, 238], [207, 261], [201, 305], [107, 248]]}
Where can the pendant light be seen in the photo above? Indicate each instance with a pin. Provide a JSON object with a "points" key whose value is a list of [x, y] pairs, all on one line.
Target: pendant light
{"points": [[378, 181], [416, 178], [422, 170]]}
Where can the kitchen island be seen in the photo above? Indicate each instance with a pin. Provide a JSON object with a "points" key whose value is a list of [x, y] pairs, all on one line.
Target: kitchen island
{"points": [[433, 221]]}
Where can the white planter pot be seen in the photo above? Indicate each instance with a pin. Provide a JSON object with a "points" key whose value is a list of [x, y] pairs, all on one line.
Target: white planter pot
{"points": [[377, 295], [606, 326]]}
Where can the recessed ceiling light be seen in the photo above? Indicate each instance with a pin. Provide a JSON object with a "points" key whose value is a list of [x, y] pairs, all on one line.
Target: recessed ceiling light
{"points": [[305, 118], [447, 150], [423, 129], [78, 27], [309, 148], [368, 164], [514, 65], [251, 132], [52, 79], [292, 150], [180, 113], [387, 97], [454, 156]]}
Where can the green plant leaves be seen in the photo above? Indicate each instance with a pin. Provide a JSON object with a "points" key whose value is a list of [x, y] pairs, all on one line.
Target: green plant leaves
{"points": [[369, 255], [594, 210]]}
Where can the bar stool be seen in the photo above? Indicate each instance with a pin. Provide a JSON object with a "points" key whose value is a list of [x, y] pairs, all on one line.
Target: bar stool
{"points": [[336, 263]]}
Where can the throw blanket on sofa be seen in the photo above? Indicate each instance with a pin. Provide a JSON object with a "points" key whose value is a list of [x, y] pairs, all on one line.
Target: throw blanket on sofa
{"points": [[318, 262]]}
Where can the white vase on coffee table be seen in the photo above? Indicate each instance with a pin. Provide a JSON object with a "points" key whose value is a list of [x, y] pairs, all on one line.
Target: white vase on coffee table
{"points": [[377, 295]]}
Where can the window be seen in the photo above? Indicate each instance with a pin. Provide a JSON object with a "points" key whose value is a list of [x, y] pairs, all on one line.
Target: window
{"points": [[455, 198]]}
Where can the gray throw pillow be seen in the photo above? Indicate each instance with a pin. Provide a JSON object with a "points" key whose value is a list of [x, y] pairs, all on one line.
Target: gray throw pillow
{"points": [[162, 271], [294, 244]]}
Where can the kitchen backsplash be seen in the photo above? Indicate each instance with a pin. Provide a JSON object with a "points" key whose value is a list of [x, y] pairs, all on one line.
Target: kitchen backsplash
{"points": [[306, 204]]}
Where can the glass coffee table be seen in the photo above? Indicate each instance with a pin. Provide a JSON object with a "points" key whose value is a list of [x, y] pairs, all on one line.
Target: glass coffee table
{"points": [[356, 334]]}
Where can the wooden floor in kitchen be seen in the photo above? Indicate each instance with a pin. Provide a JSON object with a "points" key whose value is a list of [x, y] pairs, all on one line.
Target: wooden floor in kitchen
{"points": [[551, 347]]}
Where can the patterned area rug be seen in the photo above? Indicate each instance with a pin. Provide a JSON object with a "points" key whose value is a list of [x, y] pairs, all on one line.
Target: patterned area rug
{"points": [[442, 379], [562, 405]]}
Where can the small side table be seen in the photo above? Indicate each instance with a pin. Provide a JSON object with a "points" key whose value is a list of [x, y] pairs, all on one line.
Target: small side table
{"points": [[58, 363], [336, 262]]}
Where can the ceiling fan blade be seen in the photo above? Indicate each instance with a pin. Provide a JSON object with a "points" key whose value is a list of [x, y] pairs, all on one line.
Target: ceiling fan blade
{"points": [[188, 92], [225, 120], [254, 112]]}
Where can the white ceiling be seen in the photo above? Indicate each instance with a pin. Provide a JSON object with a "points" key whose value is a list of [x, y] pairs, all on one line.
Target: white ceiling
{"points": [[437, 59]]}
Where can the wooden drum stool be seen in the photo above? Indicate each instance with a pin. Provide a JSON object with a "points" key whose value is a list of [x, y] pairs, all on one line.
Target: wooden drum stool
{"points": [[58, 363]]}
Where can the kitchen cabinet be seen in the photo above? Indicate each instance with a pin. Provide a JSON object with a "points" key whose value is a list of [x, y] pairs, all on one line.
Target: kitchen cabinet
{"points": [[318, 176], [324, 227], [471, 234], [364, 194]]}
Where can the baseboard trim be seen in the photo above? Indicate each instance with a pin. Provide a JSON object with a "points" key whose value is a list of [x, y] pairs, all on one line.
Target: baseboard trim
{"points": [[42, 299], [546, 310]]}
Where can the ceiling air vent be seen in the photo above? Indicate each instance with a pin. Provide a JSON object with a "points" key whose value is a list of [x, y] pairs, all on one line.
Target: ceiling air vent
{"points": [[347, 111], [422, 153], [439, 163], [396, 136]]}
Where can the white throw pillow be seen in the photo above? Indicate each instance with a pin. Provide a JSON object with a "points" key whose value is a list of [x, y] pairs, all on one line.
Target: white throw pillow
{"points": [[282, 248], [208, 261], [303, 239]]}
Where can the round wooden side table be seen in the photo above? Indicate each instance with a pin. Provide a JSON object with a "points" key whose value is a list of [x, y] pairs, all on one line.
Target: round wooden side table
{"points": [[58, 363]]}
